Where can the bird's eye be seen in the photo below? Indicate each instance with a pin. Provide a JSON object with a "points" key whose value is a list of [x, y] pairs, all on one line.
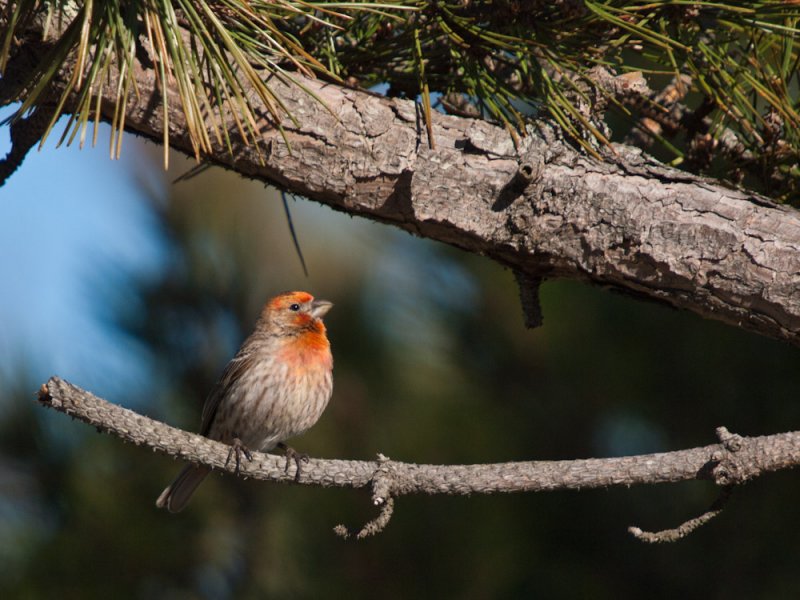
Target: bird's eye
{"points": [[295, 307]]}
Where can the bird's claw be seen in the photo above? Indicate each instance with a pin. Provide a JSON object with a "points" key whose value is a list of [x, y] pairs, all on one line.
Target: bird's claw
{"points": [[293, 455], [237, 449]]}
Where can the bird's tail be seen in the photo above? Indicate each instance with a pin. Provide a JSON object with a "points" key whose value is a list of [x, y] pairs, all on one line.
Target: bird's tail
{"points": [[177, 494]]}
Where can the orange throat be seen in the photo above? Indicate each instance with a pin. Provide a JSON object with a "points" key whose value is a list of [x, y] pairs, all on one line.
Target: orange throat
{"points": [[308, 350]]}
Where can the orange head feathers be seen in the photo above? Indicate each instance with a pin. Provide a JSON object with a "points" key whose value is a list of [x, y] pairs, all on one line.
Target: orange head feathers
{"points": [[295, 312]]}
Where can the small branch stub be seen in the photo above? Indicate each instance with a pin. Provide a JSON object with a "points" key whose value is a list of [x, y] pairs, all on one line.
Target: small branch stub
{"points": [[529, 298], [731, 441], [527, 172]]}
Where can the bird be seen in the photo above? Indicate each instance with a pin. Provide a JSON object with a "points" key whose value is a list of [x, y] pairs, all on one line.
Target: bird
{"points": [[275, 387]]}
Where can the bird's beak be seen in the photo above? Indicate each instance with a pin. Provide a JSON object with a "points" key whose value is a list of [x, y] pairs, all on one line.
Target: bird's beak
{"points": [[319, 308]]}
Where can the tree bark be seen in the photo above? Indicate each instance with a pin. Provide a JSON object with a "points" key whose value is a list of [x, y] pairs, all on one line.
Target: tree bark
{"points": [[733, 461], [543, 208]]}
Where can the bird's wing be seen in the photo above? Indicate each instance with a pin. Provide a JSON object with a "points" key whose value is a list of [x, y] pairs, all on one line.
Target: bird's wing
{"points": [[233, 372]]}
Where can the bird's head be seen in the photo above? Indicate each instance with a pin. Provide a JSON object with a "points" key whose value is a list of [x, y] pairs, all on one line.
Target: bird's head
{"points": [[295, 311]]}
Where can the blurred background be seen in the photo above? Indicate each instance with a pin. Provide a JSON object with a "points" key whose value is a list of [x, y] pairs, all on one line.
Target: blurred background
{"points": [[140, 290]]}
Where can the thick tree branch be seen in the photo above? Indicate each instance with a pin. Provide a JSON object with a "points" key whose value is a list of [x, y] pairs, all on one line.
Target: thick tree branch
{"points": [[733, 461], [628, 223]]}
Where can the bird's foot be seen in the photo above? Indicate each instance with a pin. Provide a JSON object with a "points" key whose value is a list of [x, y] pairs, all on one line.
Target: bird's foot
{"points": [[293, 455], [236, 450]]}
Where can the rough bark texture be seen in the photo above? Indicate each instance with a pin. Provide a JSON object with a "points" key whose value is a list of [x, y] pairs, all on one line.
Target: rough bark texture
{"points": [[731, 462], [734, 460], [543, 209]]}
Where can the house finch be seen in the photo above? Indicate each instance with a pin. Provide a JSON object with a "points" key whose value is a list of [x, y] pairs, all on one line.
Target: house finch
{"points": [[276, 387]]}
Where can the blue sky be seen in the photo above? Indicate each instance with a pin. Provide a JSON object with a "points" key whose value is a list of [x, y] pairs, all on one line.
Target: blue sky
{"points": [[65, 216]]}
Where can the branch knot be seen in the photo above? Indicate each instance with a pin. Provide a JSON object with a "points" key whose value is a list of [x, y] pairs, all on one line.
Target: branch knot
{"points": [[731, 441], [724, 468]]}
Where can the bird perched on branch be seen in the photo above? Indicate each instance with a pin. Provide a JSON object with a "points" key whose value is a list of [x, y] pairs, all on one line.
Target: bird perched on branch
{"points": [[276, 387]]}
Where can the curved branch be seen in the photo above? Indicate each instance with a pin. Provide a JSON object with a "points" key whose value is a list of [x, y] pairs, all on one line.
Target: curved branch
{"points": [[733, 461], [684, 529]]}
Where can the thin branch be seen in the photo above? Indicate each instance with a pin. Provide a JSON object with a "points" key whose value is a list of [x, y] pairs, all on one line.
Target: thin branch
{"points": [[293, 233], [372, 527], [680, 532], [733, 461]]}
